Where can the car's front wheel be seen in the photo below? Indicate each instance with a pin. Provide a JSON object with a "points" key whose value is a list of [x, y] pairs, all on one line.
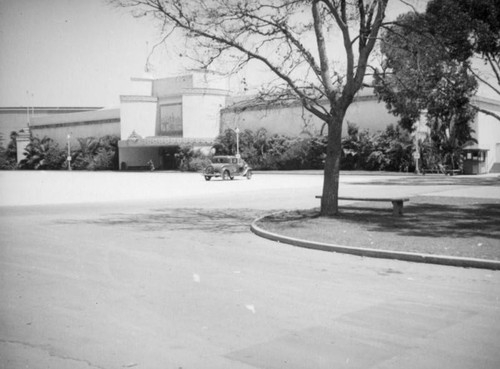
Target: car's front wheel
{"points": [[225, 175], [249, 174], [208, 178]]}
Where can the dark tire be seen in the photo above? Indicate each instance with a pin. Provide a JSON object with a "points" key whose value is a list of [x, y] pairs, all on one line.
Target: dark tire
{"points": [[208, 178], [225, 175], [249, 174]]}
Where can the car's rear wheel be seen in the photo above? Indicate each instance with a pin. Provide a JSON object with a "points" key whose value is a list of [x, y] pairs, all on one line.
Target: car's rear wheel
{"points": [[208, 178], [225, 175]]}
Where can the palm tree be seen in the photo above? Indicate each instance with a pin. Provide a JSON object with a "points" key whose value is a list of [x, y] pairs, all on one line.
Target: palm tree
{"points": [[42, 154], [83, 157], [451, 140]]}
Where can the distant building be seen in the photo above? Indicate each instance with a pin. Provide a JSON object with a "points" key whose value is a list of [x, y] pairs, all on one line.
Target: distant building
{"points": [[367, 113], [13, 119], [484, 156], [164, 114], [293, 119]]}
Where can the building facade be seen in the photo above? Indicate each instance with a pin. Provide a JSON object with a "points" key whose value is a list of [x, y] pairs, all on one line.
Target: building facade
{"points": [[14, 119], [293, 120], [162, 115], [152, 123], [485, 154], [170, 113]]}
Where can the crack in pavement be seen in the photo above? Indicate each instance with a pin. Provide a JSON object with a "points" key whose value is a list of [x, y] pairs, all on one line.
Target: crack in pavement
{"points": [[51, 352]]}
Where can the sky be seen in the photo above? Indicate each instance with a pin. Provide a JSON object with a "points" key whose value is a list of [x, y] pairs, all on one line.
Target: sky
{"points": [[72, 52], [61, 53]]}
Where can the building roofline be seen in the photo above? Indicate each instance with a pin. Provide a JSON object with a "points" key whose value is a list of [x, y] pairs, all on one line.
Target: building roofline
{"points": [[195, 91], [76, 117], [487, 103], [50, 108], [138, 98], [251, 104]]}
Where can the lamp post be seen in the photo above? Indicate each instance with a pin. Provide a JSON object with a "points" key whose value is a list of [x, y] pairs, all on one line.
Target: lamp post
{"points": [[69, 151], [32, 105], [237, 130], [28, 108]]}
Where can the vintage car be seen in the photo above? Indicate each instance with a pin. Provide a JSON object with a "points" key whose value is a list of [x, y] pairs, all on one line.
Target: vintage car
{"points": [[227, 167]]}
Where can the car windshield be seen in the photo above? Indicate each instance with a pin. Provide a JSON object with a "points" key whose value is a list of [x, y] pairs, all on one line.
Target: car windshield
{"points": [[221, 160]]}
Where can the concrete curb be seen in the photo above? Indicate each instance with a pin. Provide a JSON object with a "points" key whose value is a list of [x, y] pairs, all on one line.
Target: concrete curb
{"points": [[376, 253]]}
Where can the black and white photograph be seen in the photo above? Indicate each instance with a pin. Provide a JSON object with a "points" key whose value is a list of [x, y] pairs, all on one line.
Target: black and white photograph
{"points": [[249, 184]]}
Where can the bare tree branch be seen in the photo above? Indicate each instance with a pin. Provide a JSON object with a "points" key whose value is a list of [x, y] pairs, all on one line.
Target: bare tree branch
{"points": [[485, 111], [276, 33], [483, 80]]}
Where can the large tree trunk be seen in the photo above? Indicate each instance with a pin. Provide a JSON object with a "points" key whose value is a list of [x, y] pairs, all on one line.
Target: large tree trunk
{"points": [[329, 200]]}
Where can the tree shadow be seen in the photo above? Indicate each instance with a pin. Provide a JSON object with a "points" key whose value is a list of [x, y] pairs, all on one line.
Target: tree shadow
{"points": [[181, 219], [434, 180], [426, 219]]}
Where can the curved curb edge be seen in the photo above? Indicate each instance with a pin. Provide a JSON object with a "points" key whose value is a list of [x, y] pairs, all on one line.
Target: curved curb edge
{"points": [[376, 253]]}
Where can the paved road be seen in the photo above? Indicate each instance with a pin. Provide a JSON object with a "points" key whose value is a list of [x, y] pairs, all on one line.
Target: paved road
{"points": [[174, 279]]}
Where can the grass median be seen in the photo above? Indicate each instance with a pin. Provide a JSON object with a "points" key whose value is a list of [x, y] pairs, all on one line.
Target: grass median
{"points": [[450, 226]]}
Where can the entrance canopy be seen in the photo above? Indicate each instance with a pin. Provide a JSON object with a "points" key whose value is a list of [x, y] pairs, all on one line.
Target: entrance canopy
{"points": [[162, 141]]}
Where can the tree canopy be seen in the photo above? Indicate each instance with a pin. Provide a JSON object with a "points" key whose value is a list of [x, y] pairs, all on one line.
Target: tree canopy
{"points": [[419, 76], [318, 50], [468, 28]]}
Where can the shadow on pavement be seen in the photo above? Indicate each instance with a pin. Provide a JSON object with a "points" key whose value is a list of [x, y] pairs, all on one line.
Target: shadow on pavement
{"points": [[181, 219], [440, 226], [435, 180]]}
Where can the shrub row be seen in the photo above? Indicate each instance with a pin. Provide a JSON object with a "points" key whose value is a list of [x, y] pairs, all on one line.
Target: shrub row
{"points": [[390, 150], [92, 154], [274, 152]]}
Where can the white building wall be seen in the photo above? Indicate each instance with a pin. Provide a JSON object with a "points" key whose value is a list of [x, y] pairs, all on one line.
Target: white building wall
{"points": [[370, 114], [488, 137], [16, 118], [291, 121], [201, 115], [139, 114], [22, 141], [75, 131], [366, 113], [97, 123], [210, 80], [141, 86], [172, 85]]}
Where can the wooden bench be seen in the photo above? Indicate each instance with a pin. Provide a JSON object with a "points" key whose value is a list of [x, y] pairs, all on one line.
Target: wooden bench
{"points": [[397, 203], [441, 169]]}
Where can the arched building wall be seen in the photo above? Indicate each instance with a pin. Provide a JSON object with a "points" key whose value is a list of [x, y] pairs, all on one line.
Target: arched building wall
{"points": [[17, 118], [192, 109], [294, 120], [487, 132], [97, 123]]}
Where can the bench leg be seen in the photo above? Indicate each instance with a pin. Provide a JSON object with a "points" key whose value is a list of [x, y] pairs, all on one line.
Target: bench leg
{"points": [[397, 208]]}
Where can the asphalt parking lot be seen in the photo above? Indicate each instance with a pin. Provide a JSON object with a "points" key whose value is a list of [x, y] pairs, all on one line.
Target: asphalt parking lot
{"points": [[160, 270]]}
